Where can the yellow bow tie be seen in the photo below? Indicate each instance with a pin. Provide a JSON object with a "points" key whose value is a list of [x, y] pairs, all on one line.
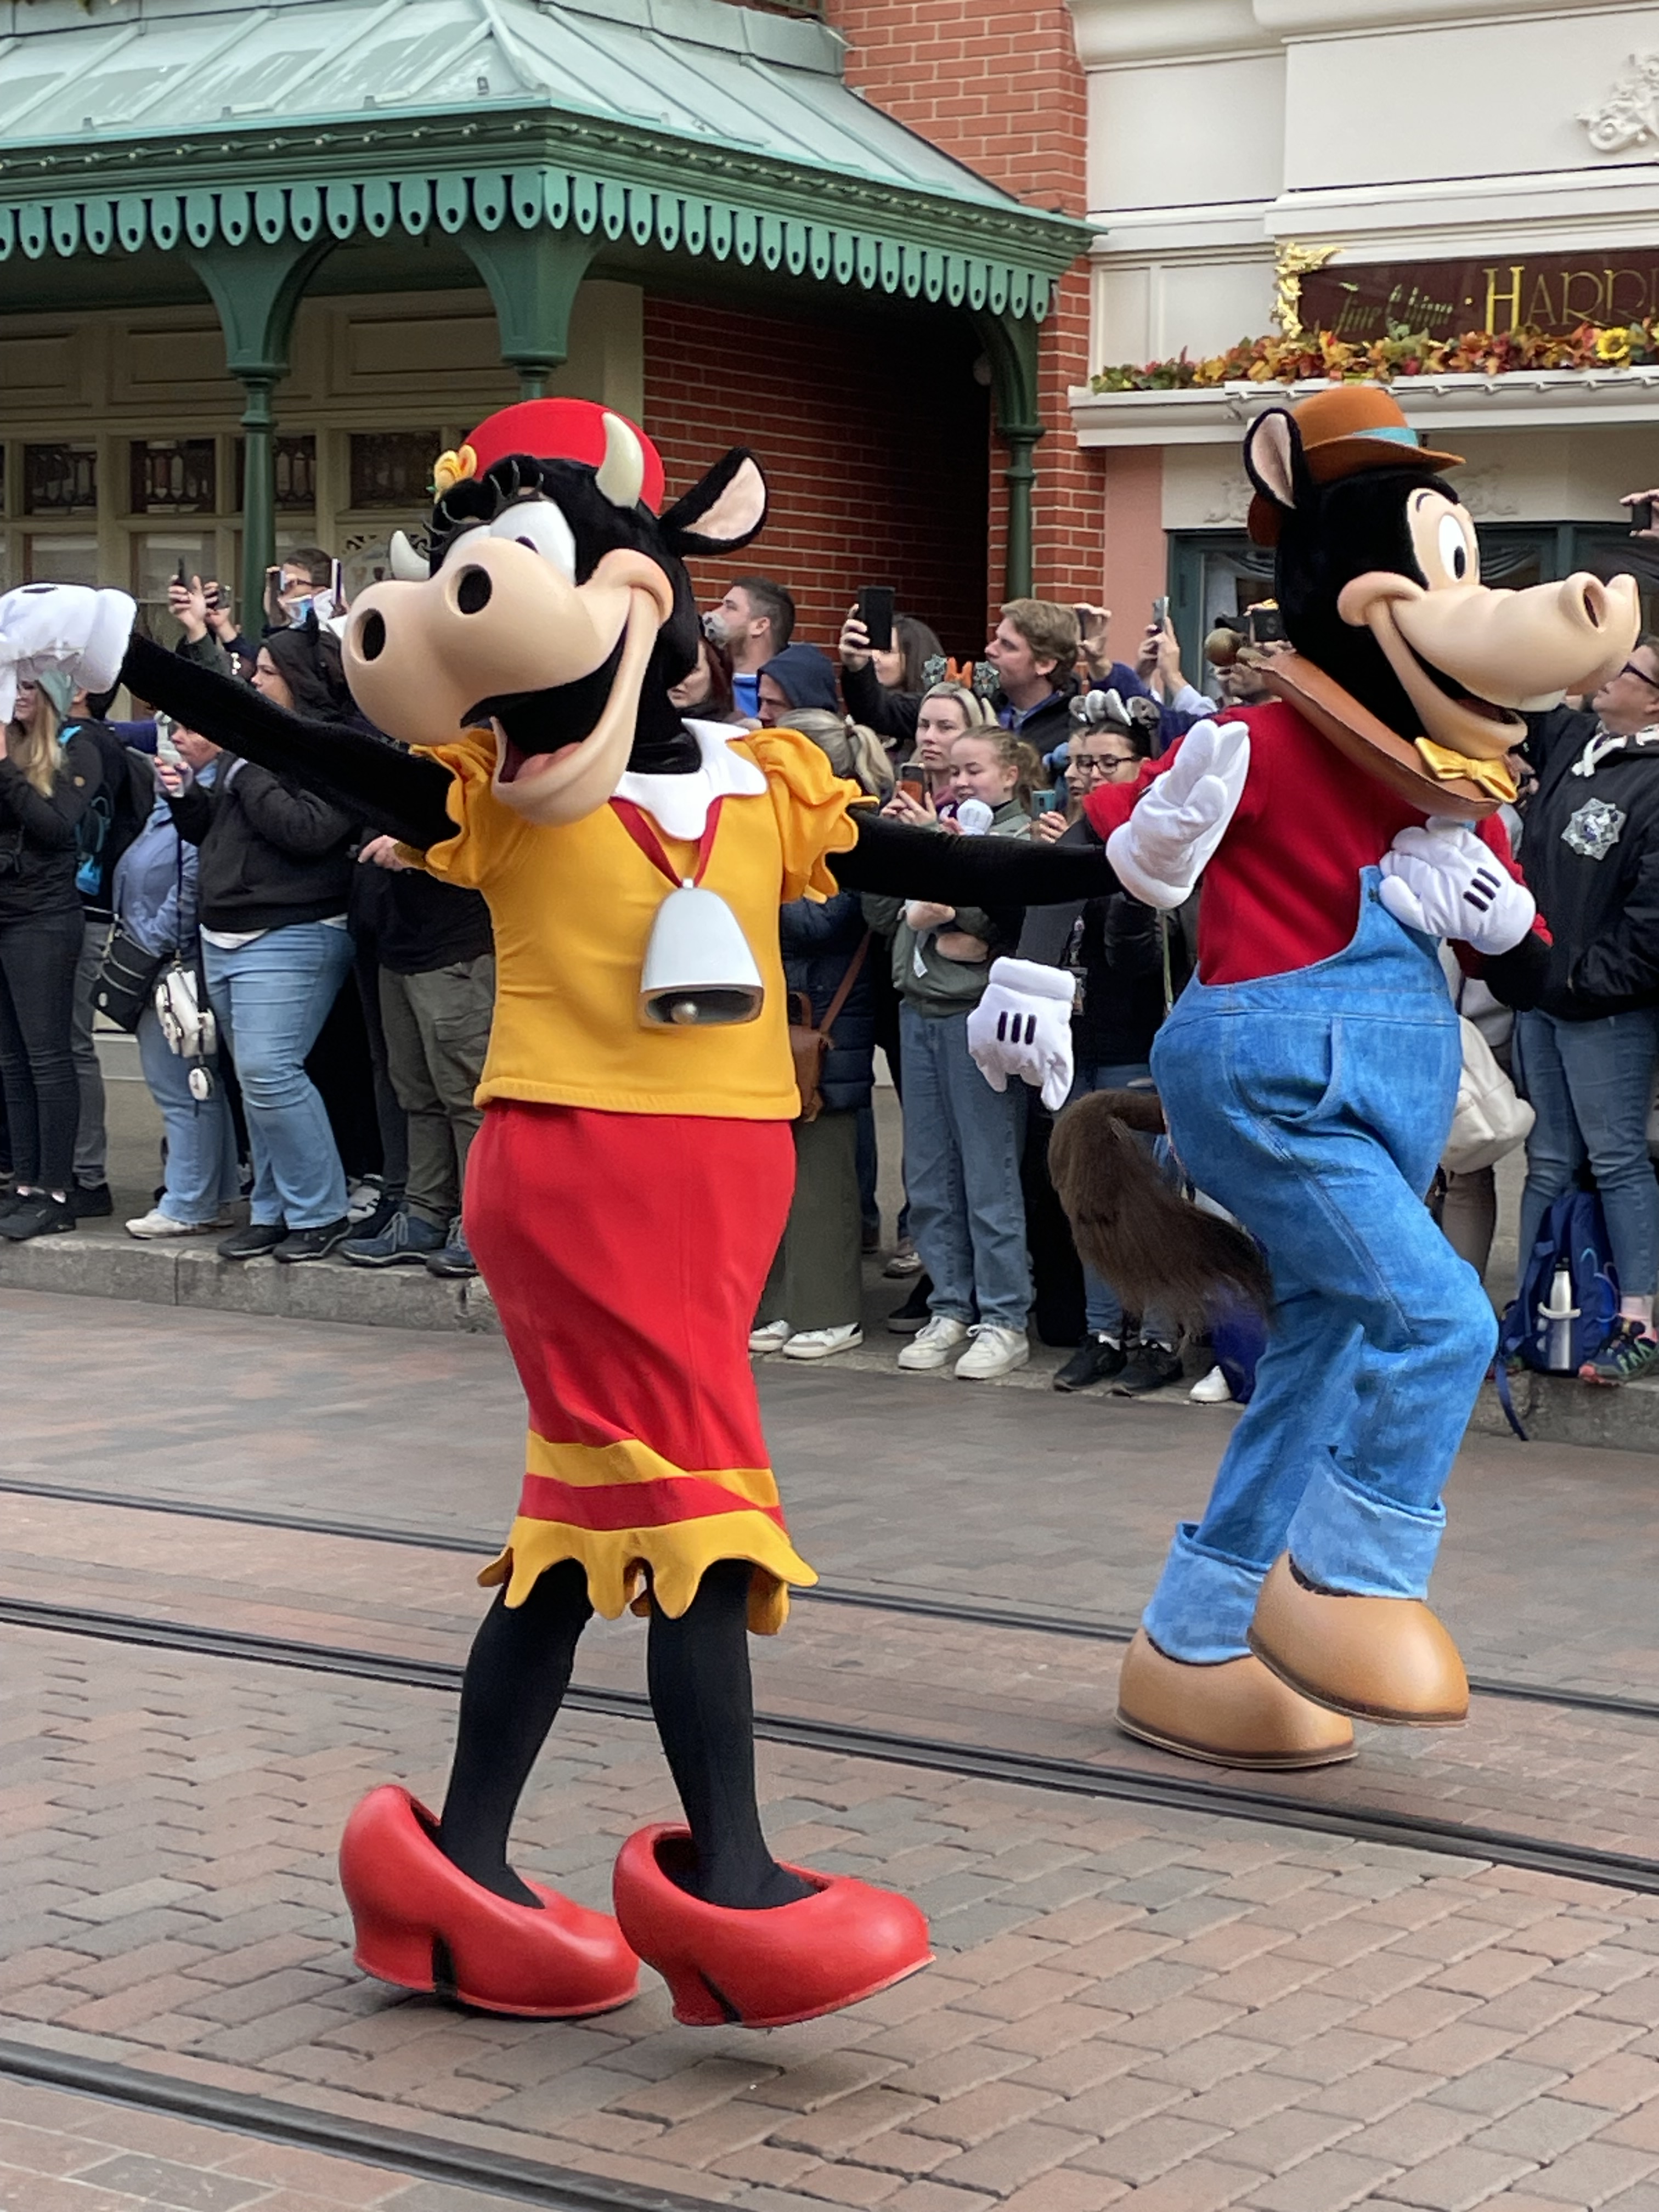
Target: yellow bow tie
{"points": [[1492, 776]]}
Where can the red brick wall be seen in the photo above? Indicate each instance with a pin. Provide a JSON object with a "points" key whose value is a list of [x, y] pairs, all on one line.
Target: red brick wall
{"points": [[872, 433], [998, 84]]}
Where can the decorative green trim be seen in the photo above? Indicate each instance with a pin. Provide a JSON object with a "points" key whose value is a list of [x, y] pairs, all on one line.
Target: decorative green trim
{"points": [[503, 170]]}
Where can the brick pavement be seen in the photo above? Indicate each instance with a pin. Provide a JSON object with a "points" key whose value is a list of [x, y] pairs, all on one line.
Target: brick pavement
{"points": [[1551, 1557], [1547, 1771], [1164, 2012]]}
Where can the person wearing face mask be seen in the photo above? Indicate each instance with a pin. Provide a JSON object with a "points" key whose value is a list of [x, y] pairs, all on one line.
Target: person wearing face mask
{"points": [[275, 874], [963, 1140], [754, 622], [302, 583], [48, 780], [884, 690]]}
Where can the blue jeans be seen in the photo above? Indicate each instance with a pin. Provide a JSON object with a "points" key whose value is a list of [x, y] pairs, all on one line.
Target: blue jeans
{"points": [[1315, 1106], [270, 999], [1103, 1309], [1589, 1083], [962, 1148], [201, 1163]]}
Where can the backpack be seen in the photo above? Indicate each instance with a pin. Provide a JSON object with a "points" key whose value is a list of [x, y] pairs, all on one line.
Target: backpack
{"points": [[1539, 1329], [115, 815]]}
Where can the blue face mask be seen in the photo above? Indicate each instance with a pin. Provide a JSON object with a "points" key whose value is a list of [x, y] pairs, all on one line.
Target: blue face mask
{"points": [[298, 612]]}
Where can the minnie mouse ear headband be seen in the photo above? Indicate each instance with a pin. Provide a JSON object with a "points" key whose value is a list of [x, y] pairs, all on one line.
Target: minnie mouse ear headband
{"points": [[1335, 434]]}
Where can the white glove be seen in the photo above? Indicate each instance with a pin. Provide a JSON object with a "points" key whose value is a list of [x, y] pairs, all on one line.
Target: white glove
{"points": [[1443, 881], [67, 626], [1023, 1027], [1183, 816]]}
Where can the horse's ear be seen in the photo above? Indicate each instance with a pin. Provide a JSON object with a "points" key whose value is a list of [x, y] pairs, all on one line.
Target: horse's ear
{"points": [[722, 513]]}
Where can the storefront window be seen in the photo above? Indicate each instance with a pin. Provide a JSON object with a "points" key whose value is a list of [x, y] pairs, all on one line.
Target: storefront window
{"points": [[55, 559], [158, 555], [294, 468], [60, 480], [174, 476], [392, 468]]}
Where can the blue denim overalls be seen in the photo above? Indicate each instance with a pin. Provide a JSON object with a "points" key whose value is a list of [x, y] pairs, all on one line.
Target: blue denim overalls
{"points": [[1315, 1106]]}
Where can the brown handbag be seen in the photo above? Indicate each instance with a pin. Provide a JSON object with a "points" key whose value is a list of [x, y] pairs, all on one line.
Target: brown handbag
{"points": [[810, 1045]]}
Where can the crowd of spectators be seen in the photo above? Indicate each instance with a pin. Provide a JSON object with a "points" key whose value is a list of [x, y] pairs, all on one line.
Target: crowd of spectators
{"points": [[337, 998]]}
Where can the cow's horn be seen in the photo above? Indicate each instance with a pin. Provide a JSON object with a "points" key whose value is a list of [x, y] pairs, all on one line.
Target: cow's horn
{"points": [[407, 565], [622, 473]]}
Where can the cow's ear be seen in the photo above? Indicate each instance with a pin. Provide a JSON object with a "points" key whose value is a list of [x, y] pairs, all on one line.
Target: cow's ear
{"points": [[723, 511]]}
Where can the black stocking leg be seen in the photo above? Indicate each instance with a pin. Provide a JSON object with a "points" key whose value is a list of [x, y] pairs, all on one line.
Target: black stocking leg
{"points": [[517, 1674], [697, 1667]]}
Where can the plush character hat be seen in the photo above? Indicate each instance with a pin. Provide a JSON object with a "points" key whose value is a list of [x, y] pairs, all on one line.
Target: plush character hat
{"points": [[548, 430], [1339, 433]]}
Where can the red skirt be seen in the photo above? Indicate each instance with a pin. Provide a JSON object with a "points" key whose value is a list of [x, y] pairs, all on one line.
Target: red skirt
{"points": [[626, 1255]]}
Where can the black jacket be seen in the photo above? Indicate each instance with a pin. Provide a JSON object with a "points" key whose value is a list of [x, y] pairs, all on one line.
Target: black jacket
{"points": [[1051, 723], [413, 923], [819, 939], [271, 854], [38, 853], [1590, 852], [890, 714]]}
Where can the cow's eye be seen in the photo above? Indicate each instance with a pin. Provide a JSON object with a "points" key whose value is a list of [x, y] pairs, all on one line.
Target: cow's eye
{"points": [[541, 525], [459, 548]]}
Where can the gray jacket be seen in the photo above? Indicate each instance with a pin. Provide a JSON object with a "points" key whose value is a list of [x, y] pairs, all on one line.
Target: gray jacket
{"points": [[922, 975]]}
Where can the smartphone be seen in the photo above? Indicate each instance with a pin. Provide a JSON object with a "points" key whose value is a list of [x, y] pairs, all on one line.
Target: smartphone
{"points": [[876, 613], [1160, 613], [218, 600], [1267, 625], [913, 787], [181, 579], [1044, 802], [165, 748], [1641, 515]]}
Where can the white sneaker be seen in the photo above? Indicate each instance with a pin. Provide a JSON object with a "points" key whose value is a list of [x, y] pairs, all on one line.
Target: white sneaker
{"points": [[1212, 1389], [771, 1336], [824, 1343], [157, 1224], [995, 1351], [932, 1345]]}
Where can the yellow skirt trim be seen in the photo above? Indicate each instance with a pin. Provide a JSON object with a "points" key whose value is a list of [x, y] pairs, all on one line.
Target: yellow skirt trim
{"points": [[596, 1465], [638, 1567]]}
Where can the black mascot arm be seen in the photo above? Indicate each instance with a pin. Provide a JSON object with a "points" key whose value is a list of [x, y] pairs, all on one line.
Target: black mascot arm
{"points": [[401, 792], [895, 860], [1516, 978]]}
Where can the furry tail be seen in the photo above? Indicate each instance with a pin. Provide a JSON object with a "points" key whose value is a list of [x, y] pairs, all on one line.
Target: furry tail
{"points": [[1150, 1243]]}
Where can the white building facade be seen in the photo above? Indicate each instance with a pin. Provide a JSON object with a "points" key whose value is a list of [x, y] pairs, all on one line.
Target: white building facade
{"points": [[1459, 165]]}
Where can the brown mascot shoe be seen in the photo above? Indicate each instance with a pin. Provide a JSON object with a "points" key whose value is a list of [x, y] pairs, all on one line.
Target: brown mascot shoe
{"points": [[1373, 1658], [1234, 1714]]}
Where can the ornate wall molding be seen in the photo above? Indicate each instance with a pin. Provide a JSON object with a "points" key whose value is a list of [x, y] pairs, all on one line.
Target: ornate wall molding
{"points": [[1629, 115]]}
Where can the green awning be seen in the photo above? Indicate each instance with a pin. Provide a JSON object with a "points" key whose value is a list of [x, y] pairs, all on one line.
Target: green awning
{"points": [[694, 125]]}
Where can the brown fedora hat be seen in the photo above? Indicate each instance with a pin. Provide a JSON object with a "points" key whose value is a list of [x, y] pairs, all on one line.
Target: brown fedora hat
{"points": [[1360, 426]]}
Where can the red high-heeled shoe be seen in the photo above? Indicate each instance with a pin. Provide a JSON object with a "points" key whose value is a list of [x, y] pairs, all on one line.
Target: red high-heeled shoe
{"points": [[423, 1924], [764, 1969]]}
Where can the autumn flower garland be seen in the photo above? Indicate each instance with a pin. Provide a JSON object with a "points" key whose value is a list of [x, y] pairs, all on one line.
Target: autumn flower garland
{"points": [[1401, 354]]}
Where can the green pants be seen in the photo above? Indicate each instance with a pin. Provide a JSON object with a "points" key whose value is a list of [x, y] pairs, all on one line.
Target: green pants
{"points": [[815, 1281], [437, 1032]]}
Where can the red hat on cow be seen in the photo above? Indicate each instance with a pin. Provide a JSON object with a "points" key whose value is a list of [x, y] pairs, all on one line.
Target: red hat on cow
{"points": [[548, 430]]}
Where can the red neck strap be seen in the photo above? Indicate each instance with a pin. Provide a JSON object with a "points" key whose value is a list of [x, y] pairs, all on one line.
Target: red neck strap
{"points": [[640, 828]]}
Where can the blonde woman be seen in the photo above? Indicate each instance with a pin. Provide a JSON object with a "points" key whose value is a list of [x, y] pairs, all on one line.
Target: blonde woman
{"points": [[46, 784]]}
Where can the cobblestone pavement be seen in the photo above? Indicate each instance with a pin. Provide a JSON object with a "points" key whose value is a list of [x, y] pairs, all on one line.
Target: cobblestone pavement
{"points": [[1171, 2012]]}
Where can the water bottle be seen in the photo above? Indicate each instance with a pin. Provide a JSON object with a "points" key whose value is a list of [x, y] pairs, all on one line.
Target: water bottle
{"points": [[1555, 1320]]}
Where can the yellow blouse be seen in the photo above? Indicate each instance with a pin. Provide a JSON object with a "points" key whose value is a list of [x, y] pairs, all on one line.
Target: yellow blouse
{"points": [[573, 906]]}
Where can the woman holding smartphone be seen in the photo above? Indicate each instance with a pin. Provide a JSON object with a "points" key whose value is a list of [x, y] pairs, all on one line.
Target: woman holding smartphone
{"points": [[47, 781]]}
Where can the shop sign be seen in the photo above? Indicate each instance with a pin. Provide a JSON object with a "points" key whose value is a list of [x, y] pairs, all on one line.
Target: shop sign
{"points": [[1549, 292]]}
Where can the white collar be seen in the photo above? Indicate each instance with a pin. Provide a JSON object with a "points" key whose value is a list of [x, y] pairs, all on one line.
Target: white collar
{"points": [[1602, 745], [679, 805]]}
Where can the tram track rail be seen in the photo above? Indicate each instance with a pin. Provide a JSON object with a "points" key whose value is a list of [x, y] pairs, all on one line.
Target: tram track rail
{"points": [[1084, 1628], [422, 2157], [1178, 1791]]}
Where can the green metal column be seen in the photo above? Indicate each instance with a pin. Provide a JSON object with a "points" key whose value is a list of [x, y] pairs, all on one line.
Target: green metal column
{"points": [[255, 289], [534, 277], [1011, 347]]}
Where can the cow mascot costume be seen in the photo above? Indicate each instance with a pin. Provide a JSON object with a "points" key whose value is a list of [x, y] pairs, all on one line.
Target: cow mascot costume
{"points": [[1309, 1073], [630, 1185]]}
